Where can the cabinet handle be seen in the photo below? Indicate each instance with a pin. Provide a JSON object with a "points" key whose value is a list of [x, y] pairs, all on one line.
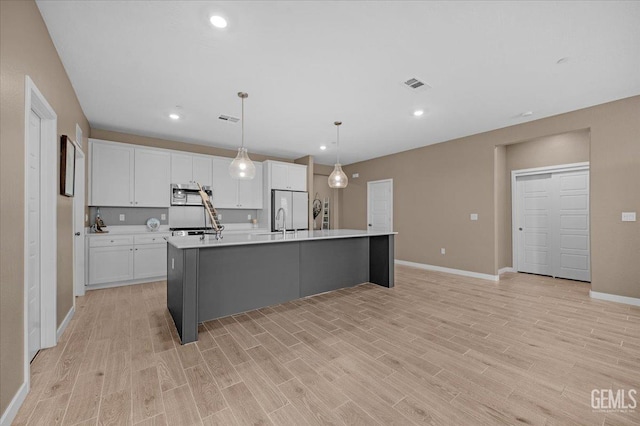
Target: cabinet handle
{"points": [[136, 202], [130, 202], [136, 249], [111, 240]]}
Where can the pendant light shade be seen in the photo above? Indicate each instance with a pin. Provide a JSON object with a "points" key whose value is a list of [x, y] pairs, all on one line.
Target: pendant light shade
{"points": [[242, 167], [337, 178]]}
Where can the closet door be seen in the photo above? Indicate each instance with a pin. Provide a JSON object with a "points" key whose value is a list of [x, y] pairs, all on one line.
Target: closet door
{"points": [[553, 224], [534, 206], [572, 198]]}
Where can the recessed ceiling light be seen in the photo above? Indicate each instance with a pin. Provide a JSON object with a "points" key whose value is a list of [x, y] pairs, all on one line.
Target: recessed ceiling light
{"points": [[418, 112], [562, 60], [218, 21], [323, 147], [527, 114], [174, 116]]}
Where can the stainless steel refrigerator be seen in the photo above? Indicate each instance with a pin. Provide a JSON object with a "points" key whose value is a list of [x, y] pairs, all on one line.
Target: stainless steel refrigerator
{"points": [[296, 208]]}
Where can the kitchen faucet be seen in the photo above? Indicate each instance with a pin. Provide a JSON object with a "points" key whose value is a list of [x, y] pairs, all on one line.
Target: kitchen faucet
{"points": [[284, 221]]}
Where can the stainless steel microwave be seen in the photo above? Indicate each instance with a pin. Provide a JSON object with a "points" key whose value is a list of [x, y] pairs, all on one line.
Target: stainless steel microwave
{"points": [[187, 194]]}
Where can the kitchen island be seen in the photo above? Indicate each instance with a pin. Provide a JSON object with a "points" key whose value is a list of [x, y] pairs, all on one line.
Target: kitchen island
{"points": [[209, 278]]}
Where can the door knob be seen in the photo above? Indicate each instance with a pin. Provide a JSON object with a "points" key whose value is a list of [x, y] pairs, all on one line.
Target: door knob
{"points": [[519, 229], [77, 234], [370, 225]]}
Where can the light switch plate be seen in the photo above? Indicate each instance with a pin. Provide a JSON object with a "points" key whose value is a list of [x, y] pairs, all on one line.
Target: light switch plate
{"points": [[355, 175], [219, 216], [443, 251], [163, 216], [628, 216], [248, 217], [474, 216], [121, 218]]}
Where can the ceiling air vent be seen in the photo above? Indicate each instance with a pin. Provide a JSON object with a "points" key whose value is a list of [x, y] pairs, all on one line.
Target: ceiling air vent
{"points": [[228, 118], [415, 84]]}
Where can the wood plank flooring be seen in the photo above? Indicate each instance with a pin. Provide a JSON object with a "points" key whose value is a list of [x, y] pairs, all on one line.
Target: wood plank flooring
{"points": [[436, 349]]}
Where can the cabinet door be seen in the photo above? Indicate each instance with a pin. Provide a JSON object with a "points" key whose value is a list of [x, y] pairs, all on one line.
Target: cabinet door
{"points": [[225, 189], [150, 261], [111, 175], [250, 191], [181, 168], [297, 178], [152, 178], [202, 170], [110, 264], [279, 176]]}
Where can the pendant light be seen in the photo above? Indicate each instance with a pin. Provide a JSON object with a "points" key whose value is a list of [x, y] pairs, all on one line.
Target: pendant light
{"points": [[242, 167], [338, 179]]}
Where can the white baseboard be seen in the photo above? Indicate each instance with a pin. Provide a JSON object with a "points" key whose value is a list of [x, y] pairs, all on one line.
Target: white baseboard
{"points": [[449, 270], [65, 323], [507, 269], [12, 409], [614, 298], [90, 287]]}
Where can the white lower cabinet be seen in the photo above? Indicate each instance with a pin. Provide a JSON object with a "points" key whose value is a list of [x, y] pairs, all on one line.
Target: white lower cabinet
{"points": [[123, 258], [149, 257]]}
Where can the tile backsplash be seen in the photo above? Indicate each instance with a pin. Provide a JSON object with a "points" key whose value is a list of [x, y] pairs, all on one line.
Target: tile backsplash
{"points": [[140, 215]]}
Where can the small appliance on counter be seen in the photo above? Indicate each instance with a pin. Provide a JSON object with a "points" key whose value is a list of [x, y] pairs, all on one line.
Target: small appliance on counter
{"points": [[98, 226]]}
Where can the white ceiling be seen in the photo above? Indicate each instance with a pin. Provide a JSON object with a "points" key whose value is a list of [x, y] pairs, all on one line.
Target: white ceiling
{"points": [[307, 64]]}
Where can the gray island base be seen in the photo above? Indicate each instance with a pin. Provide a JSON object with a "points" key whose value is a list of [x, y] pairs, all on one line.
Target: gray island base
{"points": [[208, 279]]}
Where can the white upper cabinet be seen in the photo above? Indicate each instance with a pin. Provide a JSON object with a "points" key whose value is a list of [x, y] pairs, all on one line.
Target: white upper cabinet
{"points": [[202, 170], [126, 176], [181, 168], [111, 175], [287, 176], [250, 191], [189, 168], [229, 193], [152, 178]]}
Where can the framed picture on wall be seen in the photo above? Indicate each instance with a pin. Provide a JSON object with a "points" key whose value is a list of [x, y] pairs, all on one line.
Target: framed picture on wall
{"points": [[67, 166]]}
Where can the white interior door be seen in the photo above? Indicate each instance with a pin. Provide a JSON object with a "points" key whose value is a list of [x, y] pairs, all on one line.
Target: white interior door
{"points": [[573, 227], [380, 205], [78, 226], [534, 233], [552, 227], [33, 238]]}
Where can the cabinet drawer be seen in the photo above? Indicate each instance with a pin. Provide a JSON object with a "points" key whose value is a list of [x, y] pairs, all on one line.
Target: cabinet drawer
{"points": [[150, 239], [109, 241]]}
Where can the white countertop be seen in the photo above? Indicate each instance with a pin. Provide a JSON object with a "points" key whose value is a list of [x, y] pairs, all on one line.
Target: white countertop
{"points": [[164, 229], [245, 239]]}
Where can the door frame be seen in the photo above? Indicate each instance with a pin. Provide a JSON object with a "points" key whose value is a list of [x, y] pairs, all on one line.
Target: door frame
{"points": [[79, 204], [390, 196], [561, 168], [34, 100]]}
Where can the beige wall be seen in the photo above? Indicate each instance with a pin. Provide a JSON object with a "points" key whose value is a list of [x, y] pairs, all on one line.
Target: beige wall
{"points": [[565, 148], [436, 188], [26, 49]]}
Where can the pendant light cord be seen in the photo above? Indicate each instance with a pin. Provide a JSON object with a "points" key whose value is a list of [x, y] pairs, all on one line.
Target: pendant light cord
{"points": [[338, 143], [242, 143]]}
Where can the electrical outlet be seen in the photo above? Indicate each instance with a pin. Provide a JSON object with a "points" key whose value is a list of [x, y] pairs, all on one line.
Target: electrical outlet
{"points": [[219, 216], [248, 217], [121, 218], [473, 216], [443, 251], [628, 216], [163, 216]]}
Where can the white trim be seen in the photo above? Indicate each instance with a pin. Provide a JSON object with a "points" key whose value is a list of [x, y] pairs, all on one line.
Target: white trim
{"points": [[100, 286], [66, 321], [34, 100], [79, 243], [614, 298], [12, 409], [561, 168], [390, 197], [449, 270], [504, 270]]}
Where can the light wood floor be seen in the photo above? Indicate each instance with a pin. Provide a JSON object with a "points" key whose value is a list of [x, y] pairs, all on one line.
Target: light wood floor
{"points": [[436, 349]]}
